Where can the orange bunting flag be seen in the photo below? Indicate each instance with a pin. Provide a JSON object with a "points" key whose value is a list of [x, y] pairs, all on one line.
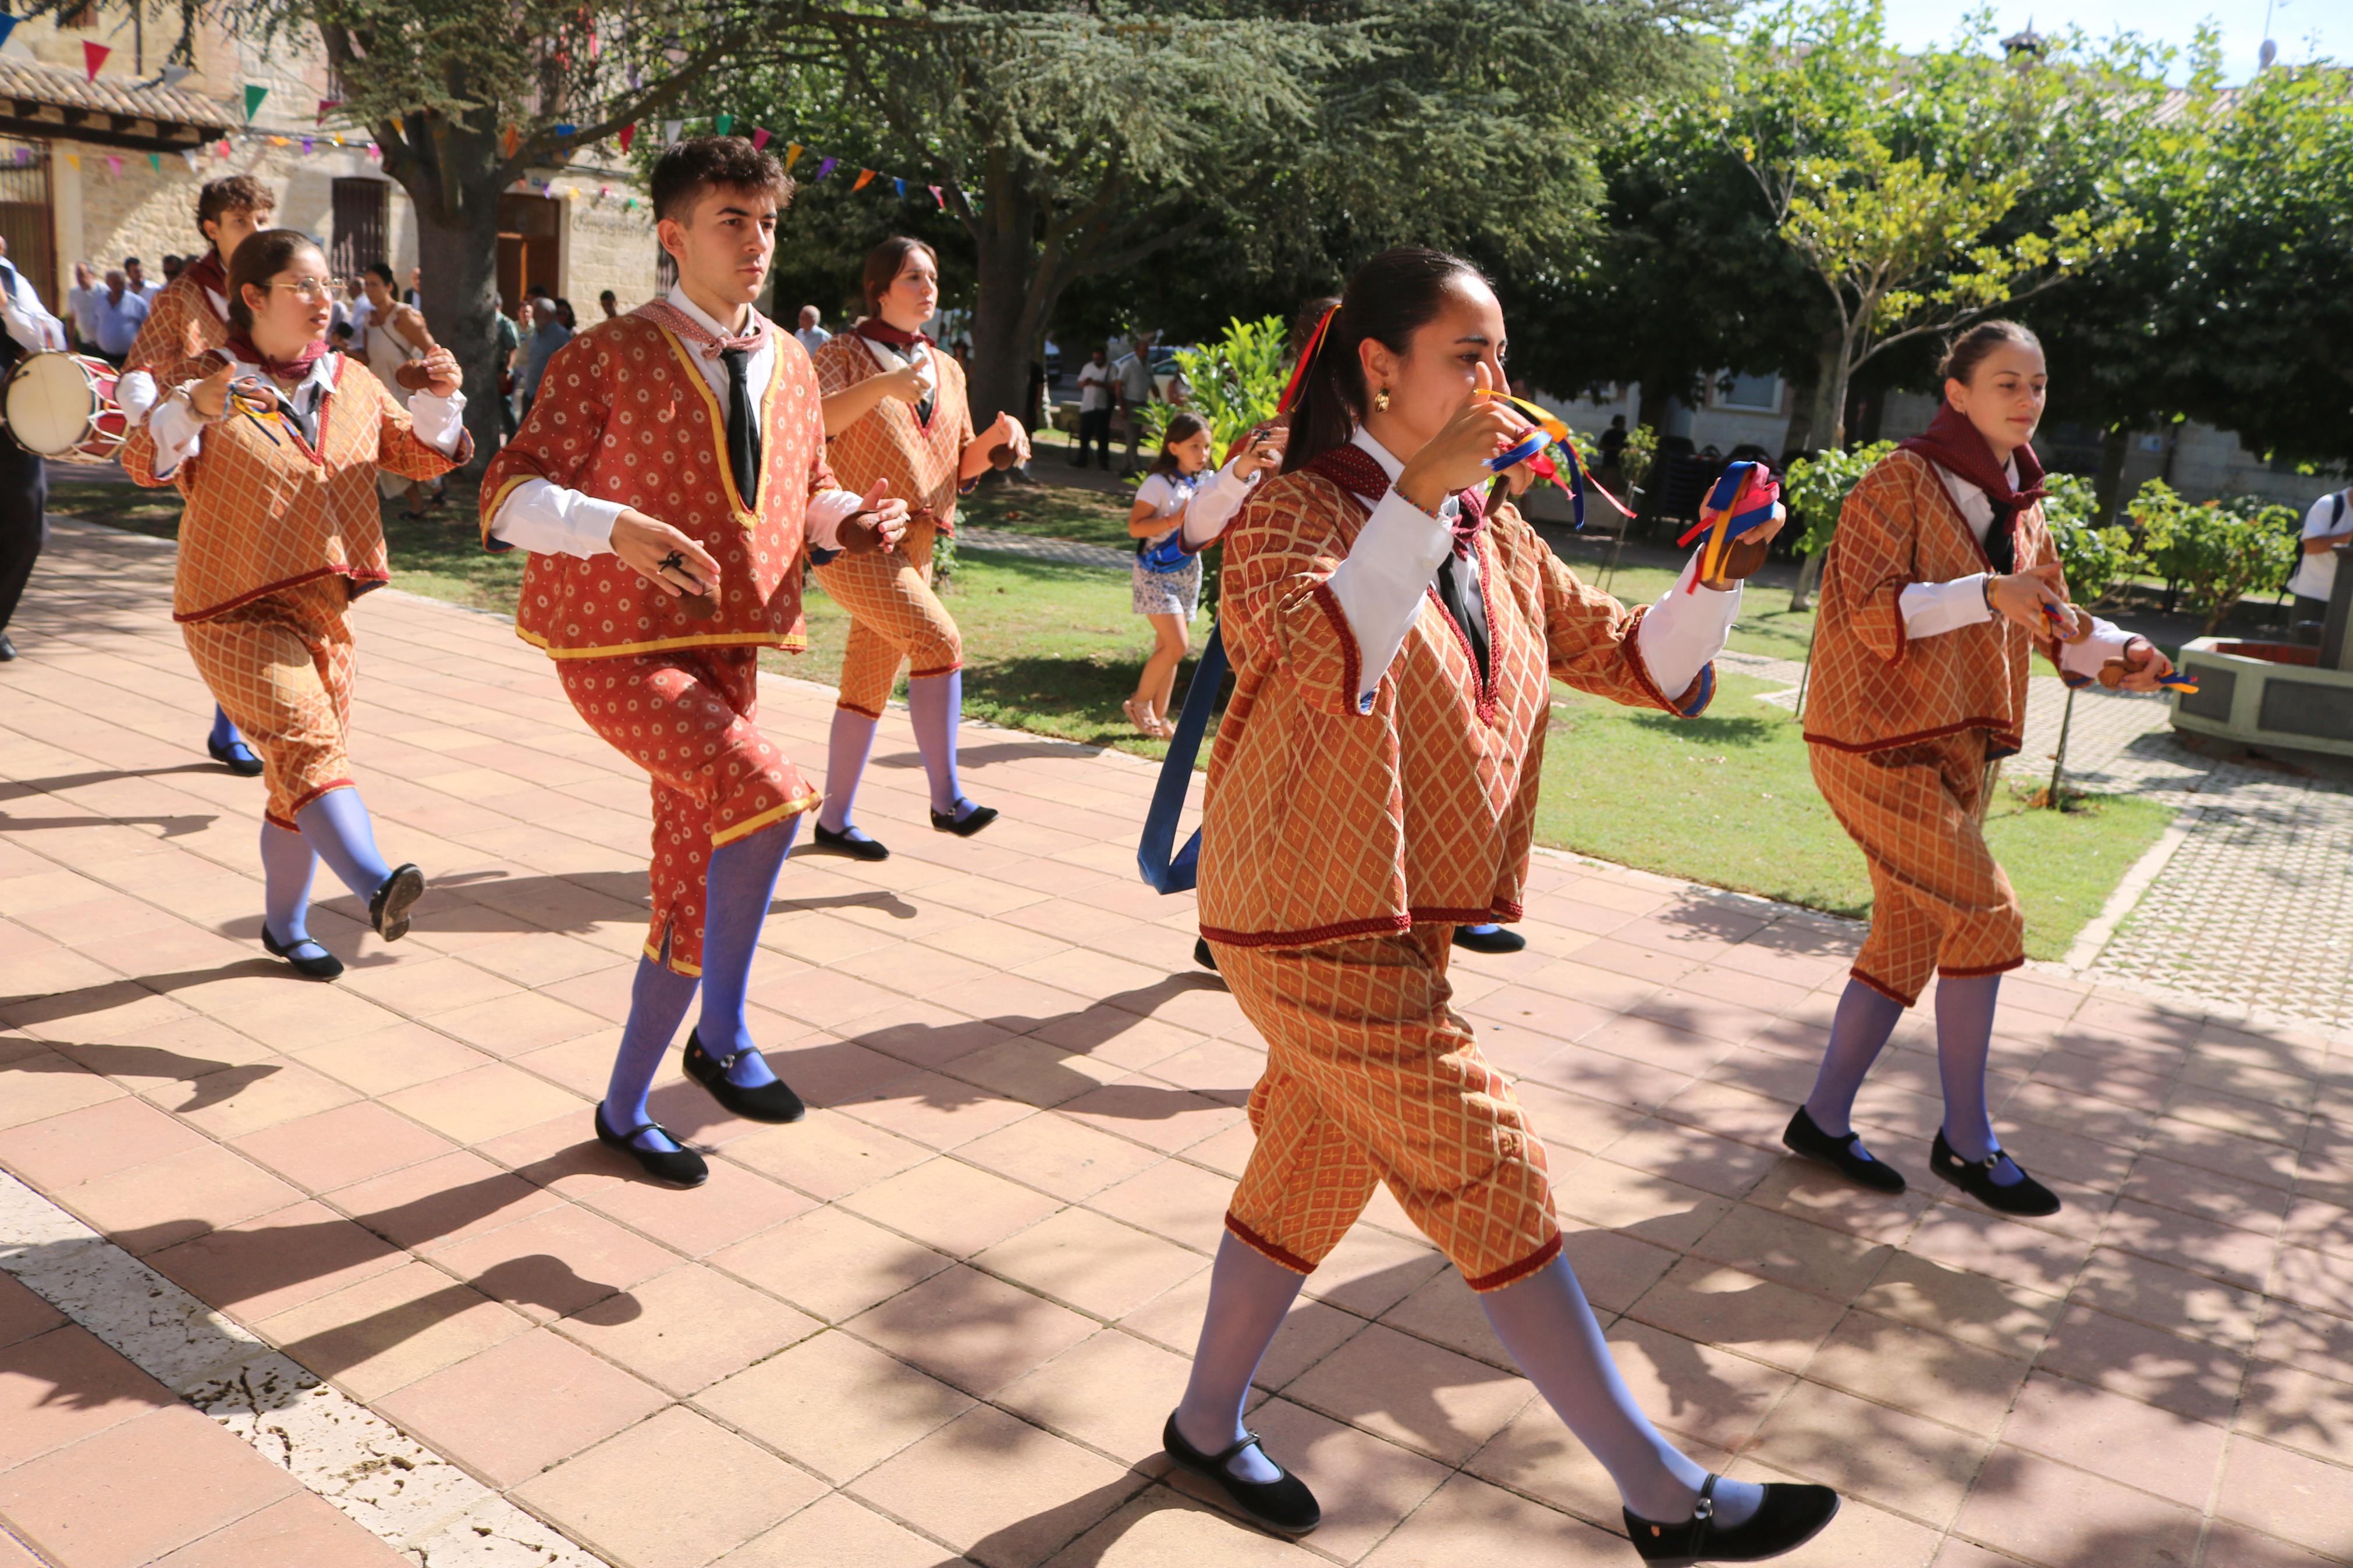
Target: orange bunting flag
{"points": [[864, 175], [628, 134], [92, 57], [510, 140], [793, 155]]}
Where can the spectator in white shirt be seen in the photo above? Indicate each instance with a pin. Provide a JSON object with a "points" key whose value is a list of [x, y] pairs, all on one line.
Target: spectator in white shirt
{"points": [[1131, 377], [135, 278], [2328, 524], [1095, 393], [80, 302]]}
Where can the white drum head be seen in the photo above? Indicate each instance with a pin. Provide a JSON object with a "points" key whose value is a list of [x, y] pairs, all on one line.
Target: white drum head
{"points": [[49, 404]]}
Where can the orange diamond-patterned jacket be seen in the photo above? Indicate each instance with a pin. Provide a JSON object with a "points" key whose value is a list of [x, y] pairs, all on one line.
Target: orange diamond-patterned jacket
{"points": [[182, 327], [265, 510], [921, 460], [1323, 823], [1872, 688], [623, 414]]}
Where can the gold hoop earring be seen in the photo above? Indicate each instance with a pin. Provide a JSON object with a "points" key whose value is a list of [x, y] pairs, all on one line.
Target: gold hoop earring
{"points": [[1381, 400]]}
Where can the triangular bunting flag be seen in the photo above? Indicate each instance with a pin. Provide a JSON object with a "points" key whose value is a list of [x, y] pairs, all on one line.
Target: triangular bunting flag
{"points": [[114, 166], [628, 134], [761, 138], [75, 162], [7, 25], [899, 186], [308, 143], [92, 57], [825, 168], [566, 129], [173, 75], [155, 162], [863, 176], [513, 140], [325, 104], [671, 128], [939, 198], [190, 155], [253, 94], [793, 155], [722, 123]]}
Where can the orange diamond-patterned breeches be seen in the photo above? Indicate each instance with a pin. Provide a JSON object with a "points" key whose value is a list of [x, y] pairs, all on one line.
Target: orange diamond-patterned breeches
{"points": [[1939, 904], [688, 717], [1371, 1077], [281, 667], [894, 619]]}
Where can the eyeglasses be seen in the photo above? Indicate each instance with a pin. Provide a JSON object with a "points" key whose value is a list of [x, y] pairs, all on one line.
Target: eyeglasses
{"points": [[314, 290]]}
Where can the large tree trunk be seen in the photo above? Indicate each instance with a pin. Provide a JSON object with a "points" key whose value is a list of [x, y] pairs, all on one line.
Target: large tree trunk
{"points": [[453, 182], [2114, 444], [1833, 398]]}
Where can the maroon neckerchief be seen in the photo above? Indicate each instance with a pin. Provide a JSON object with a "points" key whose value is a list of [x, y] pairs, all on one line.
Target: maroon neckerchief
{"points": [[240, 345], [1355, 470], [1953, 444], [874, 329], [662, 313], [208, 274]]}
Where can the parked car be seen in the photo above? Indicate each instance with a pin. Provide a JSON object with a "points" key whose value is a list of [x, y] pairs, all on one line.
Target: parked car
{"points": [[1053, 364]]}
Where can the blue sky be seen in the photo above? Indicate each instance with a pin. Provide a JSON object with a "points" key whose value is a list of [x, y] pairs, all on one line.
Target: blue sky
{"points": [[2295, 24]]}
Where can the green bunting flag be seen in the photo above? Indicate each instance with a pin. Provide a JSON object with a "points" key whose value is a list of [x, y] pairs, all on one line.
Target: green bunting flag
{"points": [[253, 94], [722, 123]]}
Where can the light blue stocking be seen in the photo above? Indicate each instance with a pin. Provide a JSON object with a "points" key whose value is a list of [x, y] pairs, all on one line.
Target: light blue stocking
{"points": [[1964, 1007], [844, 763], [286, 867], [742, 883], [936, 705], [336, 825], [658, 1003]]}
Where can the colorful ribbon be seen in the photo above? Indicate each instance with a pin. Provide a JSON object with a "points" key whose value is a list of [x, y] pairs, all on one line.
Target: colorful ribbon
{"points": [[1552, 434], [1744, 497]]}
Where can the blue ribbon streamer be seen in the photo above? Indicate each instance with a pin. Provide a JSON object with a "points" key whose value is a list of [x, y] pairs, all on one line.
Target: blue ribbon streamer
{"points": [[1165, 867]]}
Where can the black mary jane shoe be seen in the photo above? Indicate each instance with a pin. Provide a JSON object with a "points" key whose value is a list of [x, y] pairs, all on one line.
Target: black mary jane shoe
{"points": [[1790, 1516], [680, 1167], [767, 1102], [843, 844], [1284, 1504], [963, 826], [244, 767], [1499, 940], [1203, 956], [2026, 1197], [326, 967], [388, 910], [1803, 1137]]}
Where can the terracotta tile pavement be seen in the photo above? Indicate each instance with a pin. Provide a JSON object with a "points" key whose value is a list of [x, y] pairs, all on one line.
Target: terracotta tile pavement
{"points": [[941, 1319]]}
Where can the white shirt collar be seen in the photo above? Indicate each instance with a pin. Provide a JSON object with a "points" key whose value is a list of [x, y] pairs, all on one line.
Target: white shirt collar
{"points": [[1390, 465], [696, 314]]}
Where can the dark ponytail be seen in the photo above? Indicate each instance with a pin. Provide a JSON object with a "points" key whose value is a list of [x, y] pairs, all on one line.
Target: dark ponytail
{"points": [[1393, 296]]}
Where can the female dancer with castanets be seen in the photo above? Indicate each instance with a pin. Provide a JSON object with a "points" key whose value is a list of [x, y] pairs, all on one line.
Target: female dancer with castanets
{"points": [[1940, 580], [1374, 785], [276, 449], [895, 412]]}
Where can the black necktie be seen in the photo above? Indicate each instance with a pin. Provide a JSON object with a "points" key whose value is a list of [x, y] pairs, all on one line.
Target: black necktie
{"points": [[1464, 602], [742, 435]]}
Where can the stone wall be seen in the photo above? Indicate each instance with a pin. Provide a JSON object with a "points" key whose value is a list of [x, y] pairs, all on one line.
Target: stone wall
{"points": [[149, 212], [604, 244]]}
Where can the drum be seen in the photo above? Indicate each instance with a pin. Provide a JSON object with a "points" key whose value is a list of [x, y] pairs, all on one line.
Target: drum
{"points": [[61, 406]]}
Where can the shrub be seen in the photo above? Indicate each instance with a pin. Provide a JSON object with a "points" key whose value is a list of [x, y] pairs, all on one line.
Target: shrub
{"points": [[2095, 559], [2218, 551], [1816, 488]]}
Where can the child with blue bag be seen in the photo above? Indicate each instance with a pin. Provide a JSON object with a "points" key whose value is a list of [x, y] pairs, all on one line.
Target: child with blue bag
{"points": [[1180, 509]]}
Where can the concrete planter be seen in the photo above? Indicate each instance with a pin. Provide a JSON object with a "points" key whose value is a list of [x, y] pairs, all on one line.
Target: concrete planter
{"points": [[2265, 694]]}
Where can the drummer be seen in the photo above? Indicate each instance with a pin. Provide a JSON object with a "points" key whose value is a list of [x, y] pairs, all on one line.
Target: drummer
{"points": [[187, 320], [24, 477]]}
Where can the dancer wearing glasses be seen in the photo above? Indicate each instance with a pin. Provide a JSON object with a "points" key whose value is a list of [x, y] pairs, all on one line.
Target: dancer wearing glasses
{"points": [[276, 451]]}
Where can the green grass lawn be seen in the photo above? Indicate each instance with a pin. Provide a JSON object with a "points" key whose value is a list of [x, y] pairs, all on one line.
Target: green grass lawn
{"points": [[1728, 799], [1053, 649]]}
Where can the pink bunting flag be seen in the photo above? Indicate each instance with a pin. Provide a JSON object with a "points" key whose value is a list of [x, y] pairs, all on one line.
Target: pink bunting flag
{"points": [[114, 166], [760, 137], [939, 198]]}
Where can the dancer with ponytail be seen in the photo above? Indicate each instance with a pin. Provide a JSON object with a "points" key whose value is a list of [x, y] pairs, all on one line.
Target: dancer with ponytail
{"points": [[895, 412], [667, 481], [186, 322], [1940, 581], [276, 448], [1374, 785]]}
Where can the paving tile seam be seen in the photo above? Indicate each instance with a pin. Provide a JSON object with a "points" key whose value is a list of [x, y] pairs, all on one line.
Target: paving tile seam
{"points": [[238, 1380]]}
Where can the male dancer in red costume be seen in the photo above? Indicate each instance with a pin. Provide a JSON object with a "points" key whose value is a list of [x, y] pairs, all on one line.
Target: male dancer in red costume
{"points": [[669, 483], [188, 320]]}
